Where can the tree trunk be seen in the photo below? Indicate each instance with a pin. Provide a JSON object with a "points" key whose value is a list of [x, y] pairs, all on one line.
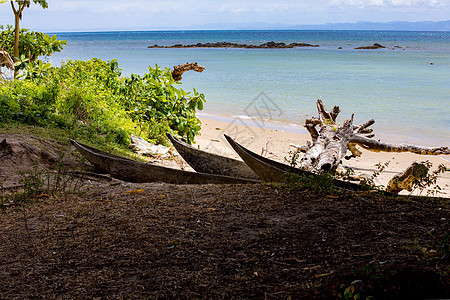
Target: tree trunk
{"points": [[17, 15], [331, 141]]}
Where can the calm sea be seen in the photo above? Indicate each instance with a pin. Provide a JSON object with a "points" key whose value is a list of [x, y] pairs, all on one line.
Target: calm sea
{"points": [[405, 87]]}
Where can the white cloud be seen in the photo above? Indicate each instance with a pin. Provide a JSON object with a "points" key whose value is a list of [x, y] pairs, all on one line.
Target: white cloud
{"points": [[262, 7], [430, 3], [390, 3], [192, 7], [181, 6], [116, 14]]}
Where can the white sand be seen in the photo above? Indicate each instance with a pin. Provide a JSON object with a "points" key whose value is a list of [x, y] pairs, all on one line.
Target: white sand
{"points": [[275, 144]]}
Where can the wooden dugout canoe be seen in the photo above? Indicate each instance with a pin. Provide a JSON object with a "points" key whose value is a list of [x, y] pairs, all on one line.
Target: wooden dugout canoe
{"points": [[273, 171], [205, 162], [136, 171]]}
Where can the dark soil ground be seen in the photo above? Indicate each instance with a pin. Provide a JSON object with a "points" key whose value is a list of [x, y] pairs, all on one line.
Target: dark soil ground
{"points": [[120, 240]]}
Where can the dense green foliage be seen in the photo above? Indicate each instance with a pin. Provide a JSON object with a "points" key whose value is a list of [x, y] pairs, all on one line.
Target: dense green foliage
{"points": [[92, 96], [32, 44], [156, 104]]}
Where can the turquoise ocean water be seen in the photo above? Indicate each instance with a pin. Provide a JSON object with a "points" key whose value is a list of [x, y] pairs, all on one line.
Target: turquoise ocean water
{"points": [[405, 87]]}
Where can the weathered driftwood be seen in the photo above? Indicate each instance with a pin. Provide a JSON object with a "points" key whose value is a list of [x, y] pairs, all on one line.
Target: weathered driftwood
{"points": [[5, 61], [377, 146], [330, 141], [180, 69], [406, 179]]}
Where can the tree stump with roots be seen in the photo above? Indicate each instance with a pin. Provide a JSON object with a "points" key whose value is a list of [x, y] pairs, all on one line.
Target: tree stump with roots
{"points": [[330, 142]]}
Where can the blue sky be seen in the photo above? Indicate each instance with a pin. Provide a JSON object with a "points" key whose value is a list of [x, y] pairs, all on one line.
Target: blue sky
{"points": [[88, 15]]}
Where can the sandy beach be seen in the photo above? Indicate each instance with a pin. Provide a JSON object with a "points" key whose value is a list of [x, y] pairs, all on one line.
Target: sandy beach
{"points": [[276, 144]]}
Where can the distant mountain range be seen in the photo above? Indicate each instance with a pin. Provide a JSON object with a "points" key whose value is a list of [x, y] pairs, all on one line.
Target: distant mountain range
{"points": [[388, 26], [398, 25]]}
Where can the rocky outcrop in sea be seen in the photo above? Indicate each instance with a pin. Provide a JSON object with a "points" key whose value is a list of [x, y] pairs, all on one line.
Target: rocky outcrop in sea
{"points": [[374, 46], [268, 45]]}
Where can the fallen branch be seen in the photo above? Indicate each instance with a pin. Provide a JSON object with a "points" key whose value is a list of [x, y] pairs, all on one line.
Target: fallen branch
{"points": [[377, 146], [180, 69], [331, 141], [364, 127]]}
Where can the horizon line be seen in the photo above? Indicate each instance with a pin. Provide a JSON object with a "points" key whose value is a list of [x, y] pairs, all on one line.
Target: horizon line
{"points": [[261, 26], [256, 29]]}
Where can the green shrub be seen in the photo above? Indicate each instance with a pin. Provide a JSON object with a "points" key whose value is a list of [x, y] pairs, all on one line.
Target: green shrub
{"points": [[93, 95], [154, 99], [32, 44], [26, 102]]}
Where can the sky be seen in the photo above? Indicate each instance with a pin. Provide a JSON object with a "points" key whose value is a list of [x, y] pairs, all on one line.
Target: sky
{"points": [[94, 15]]}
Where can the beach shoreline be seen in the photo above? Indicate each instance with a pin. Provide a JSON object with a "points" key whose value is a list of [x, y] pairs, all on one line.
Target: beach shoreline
{"points": [[404, 91], [381, 131], [273, 142]]}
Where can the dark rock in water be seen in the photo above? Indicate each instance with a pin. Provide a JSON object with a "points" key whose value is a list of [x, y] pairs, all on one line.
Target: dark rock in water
{"points": [[268, 45], [375, 46]]}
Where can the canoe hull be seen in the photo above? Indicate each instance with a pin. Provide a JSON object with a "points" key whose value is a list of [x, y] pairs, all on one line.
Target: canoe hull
{"points": [[205, 162], [136, 171], [273, 171]]}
